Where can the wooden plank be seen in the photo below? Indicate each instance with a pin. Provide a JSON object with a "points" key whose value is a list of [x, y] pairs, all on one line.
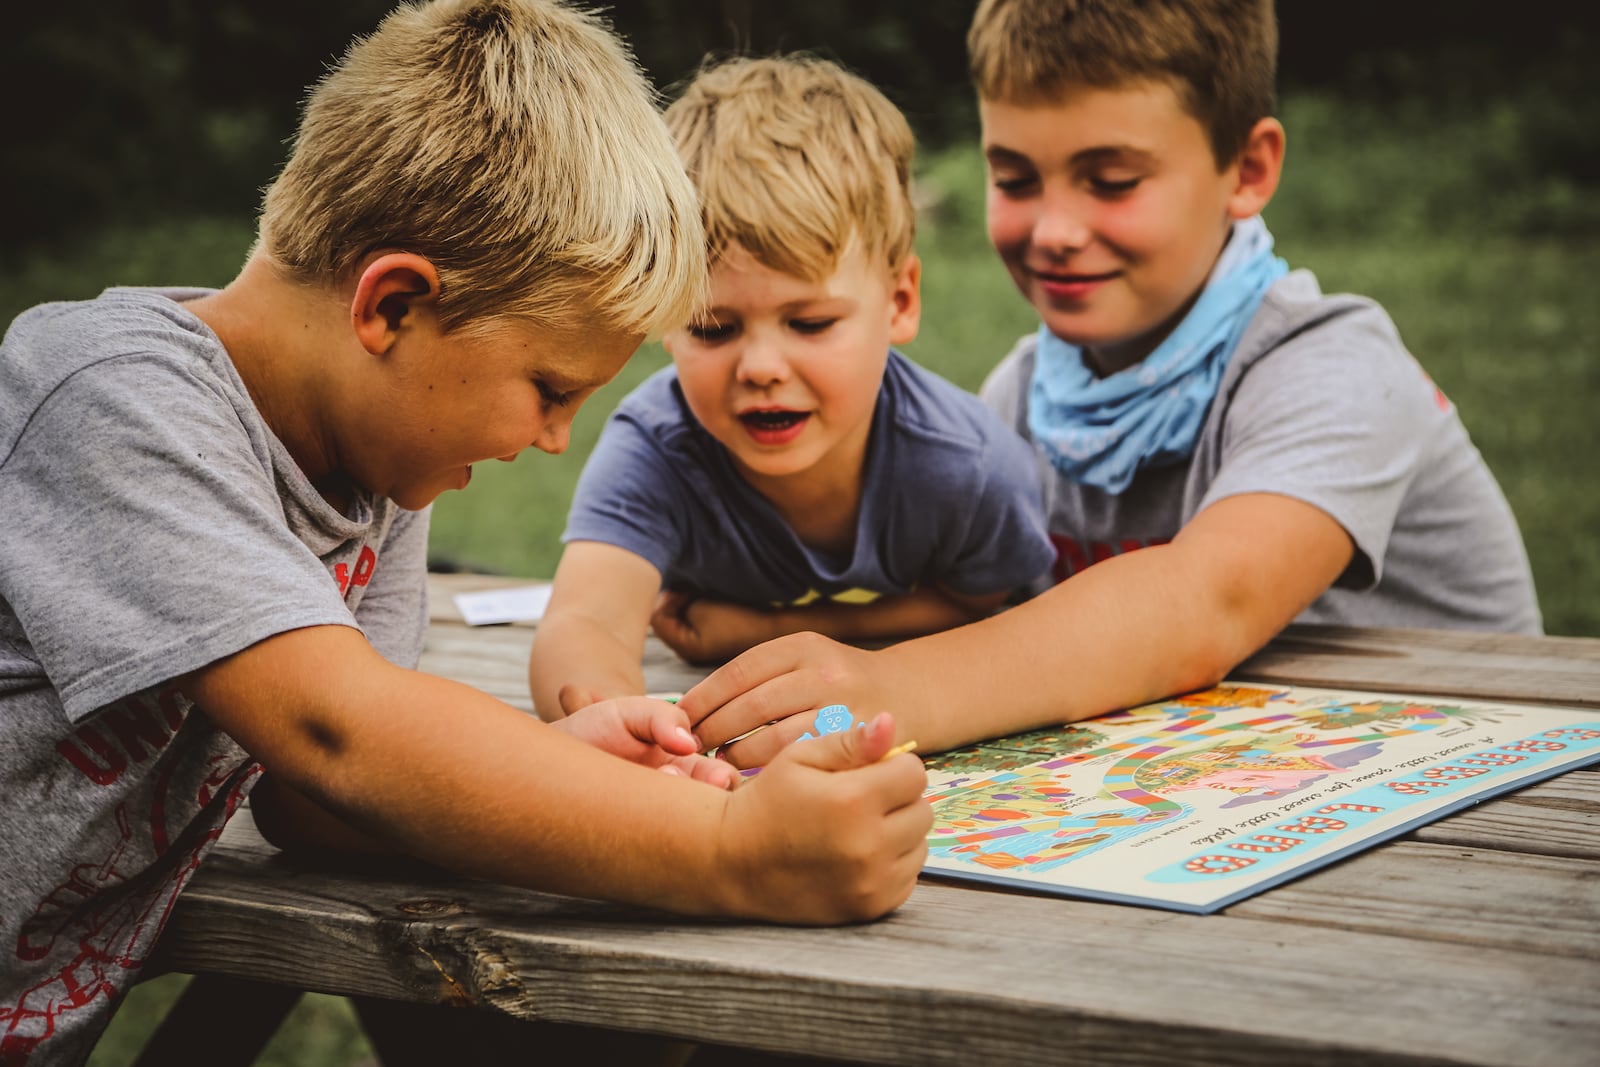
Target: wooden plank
{"points": [[958, 975], [1548, 905], [1495, 667], [1557, 817], [491, 658]]}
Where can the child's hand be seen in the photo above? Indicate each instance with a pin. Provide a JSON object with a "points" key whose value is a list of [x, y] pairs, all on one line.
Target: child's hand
{"points": [[708, 631], [654, 733], [575, 698], [827, 833], [782, 682]]}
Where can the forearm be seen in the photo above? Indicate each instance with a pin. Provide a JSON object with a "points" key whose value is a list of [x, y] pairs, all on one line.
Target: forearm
{"points": [[924, 611], [457, 778], [1133, 629], [577, 651], [293, 822]]}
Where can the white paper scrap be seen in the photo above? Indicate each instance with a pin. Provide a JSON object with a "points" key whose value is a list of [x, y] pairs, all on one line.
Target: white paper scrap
{"points": [[522, 604]]}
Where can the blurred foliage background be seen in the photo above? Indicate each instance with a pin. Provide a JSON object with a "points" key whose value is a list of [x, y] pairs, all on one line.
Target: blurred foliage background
{"points": [[1443, 159]]}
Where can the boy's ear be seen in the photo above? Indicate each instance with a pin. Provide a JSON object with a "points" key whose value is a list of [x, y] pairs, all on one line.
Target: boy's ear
{"points": [[906, 297], [390, 289], [1259, 167]]}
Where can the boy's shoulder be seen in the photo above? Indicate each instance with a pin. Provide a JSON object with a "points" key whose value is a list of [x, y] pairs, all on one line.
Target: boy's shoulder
{"points": [[51, 343], [656, 407], [1296, 303], [929, 408]]}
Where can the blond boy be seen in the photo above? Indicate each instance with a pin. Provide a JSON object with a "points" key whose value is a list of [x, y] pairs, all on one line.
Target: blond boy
{"points": [[791, 471], [1230, 450], [212, 576]]}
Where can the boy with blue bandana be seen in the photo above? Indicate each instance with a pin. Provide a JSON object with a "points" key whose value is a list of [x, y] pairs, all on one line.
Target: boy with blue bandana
{"points": [[1228, 450], [791, 471]]}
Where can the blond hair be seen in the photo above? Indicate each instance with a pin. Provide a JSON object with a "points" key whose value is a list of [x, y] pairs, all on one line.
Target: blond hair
{"points": [[796, 159], [517, 146], [1220, 56]]}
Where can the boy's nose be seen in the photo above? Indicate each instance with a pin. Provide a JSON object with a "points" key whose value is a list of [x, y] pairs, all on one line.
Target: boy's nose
{"points": [[554, 436], [1060, 226], [761, 363]]}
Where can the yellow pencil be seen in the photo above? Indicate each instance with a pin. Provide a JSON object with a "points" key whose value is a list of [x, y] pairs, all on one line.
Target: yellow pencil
{"points": [[897, 750]]}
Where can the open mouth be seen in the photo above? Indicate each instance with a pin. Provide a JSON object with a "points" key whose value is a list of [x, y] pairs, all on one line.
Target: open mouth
{"points": [[772, 421], [774, 427]]}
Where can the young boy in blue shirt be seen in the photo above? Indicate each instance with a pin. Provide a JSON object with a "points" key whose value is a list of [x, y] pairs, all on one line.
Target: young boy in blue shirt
{"points": [[791, 470], [212, 574], [1230, 450]]}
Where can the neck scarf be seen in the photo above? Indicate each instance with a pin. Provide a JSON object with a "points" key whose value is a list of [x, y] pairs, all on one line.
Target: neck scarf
{"points": [[1101, 431]]}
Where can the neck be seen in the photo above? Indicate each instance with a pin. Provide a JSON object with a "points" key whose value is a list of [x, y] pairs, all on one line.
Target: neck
{"points": [[820, 504], [278, 335]]}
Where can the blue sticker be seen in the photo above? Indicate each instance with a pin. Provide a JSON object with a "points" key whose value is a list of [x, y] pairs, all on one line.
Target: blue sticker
{"points": [[833, 719]]}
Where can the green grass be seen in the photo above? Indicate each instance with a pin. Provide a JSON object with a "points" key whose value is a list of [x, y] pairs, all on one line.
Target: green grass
{"points": [[1485, 261], [321, 1031]]}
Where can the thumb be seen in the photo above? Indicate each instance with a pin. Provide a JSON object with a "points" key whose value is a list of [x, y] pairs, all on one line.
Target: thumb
{"points": [[847, 748]]}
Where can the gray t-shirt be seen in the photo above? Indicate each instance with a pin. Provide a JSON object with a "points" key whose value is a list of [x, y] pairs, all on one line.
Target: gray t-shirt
{"points": [[150, 524], [948, 495], [1321, 402]]}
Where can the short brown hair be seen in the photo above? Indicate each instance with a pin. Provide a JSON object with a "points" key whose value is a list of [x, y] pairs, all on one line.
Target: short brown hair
{"points": [[1221, 56], [795, 158], [514, 143]]}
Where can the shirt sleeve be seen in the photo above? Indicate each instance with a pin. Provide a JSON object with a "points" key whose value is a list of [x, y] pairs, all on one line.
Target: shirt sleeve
{"points": [[143, 534], [1332, 417], [625, 496]]}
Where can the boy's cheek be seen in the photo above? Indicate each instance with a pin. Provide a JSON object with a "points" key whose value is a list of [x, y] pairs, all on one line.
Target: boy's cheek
{"points": [[1009, 229]]}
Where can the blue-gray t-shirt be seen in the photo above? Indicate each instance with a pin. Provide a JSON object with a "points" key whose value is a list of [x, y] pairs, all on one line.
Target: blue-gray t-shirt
{"points": [[949, 494]]}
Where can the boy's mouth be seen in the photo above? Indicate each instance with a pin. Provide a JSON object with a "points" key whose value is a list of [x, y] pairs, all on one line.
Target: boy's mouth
{"points": [[1071, 286], [773, 427]]}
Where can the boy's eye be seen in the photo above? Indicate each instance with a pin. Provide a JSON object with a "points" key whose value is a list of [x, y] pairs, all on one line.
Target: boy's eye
{"points": [[1114, 186], [810, 325], [552, 397], [1012, 184], [709, 332]]}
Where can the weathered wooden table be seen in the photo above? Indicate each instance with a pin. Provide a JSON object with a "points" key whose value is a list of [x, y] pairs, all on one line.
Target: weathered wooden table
{"points": [[1475, 940]]}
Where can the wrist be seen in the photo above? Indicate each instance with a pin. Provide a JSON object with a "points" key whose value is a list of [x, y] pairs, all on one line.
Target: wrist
{"points": [[922, 696], [727, 885]]}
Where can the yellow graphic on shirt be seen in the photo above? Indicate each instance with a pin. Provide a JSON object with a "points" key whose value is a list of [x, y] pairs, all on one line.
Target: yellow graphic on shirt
{"points": [[843, 596]]}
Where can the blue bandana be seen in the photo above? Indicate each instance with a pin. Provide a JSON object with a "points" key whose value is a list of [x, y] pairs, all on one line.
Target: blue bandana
{"points": [[1101, 431]]}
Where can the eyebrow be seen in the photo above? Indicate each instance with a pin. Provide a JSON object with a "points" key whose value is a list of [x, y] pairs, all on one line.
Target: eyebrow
{"points": [[787, 307], [1001, 154], [565, 385]]}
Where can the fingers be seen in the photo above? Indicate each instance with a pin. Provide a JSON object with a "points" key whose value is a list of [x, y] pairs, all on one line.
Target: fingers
{"points": [[740, 676], [769, 683], [670, 621], [661, 723], [761, 747], [574, 698], [712, 772], [849, 748], [673, 603], [716, 772]]}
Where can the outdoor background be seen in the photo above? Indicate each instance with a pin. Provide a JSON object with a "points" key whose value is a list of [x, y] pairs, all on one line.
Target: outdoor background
{"points": [[1443, 159]]}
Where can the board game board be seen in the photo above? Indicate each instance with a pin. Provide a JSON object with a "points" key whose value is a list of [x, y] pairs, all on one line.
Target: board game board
{"points": [[1197, 802]]}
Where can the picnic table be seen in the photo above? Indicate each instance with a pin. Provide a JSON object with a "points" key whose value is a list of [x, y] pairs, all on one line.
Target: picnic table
{"points": [[1472, 940]]}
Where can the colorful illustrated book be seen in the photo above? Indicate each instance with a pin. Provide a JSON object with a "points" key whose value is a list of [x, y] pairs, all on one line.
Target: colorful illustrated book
{"points": [[1200, 801]]}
